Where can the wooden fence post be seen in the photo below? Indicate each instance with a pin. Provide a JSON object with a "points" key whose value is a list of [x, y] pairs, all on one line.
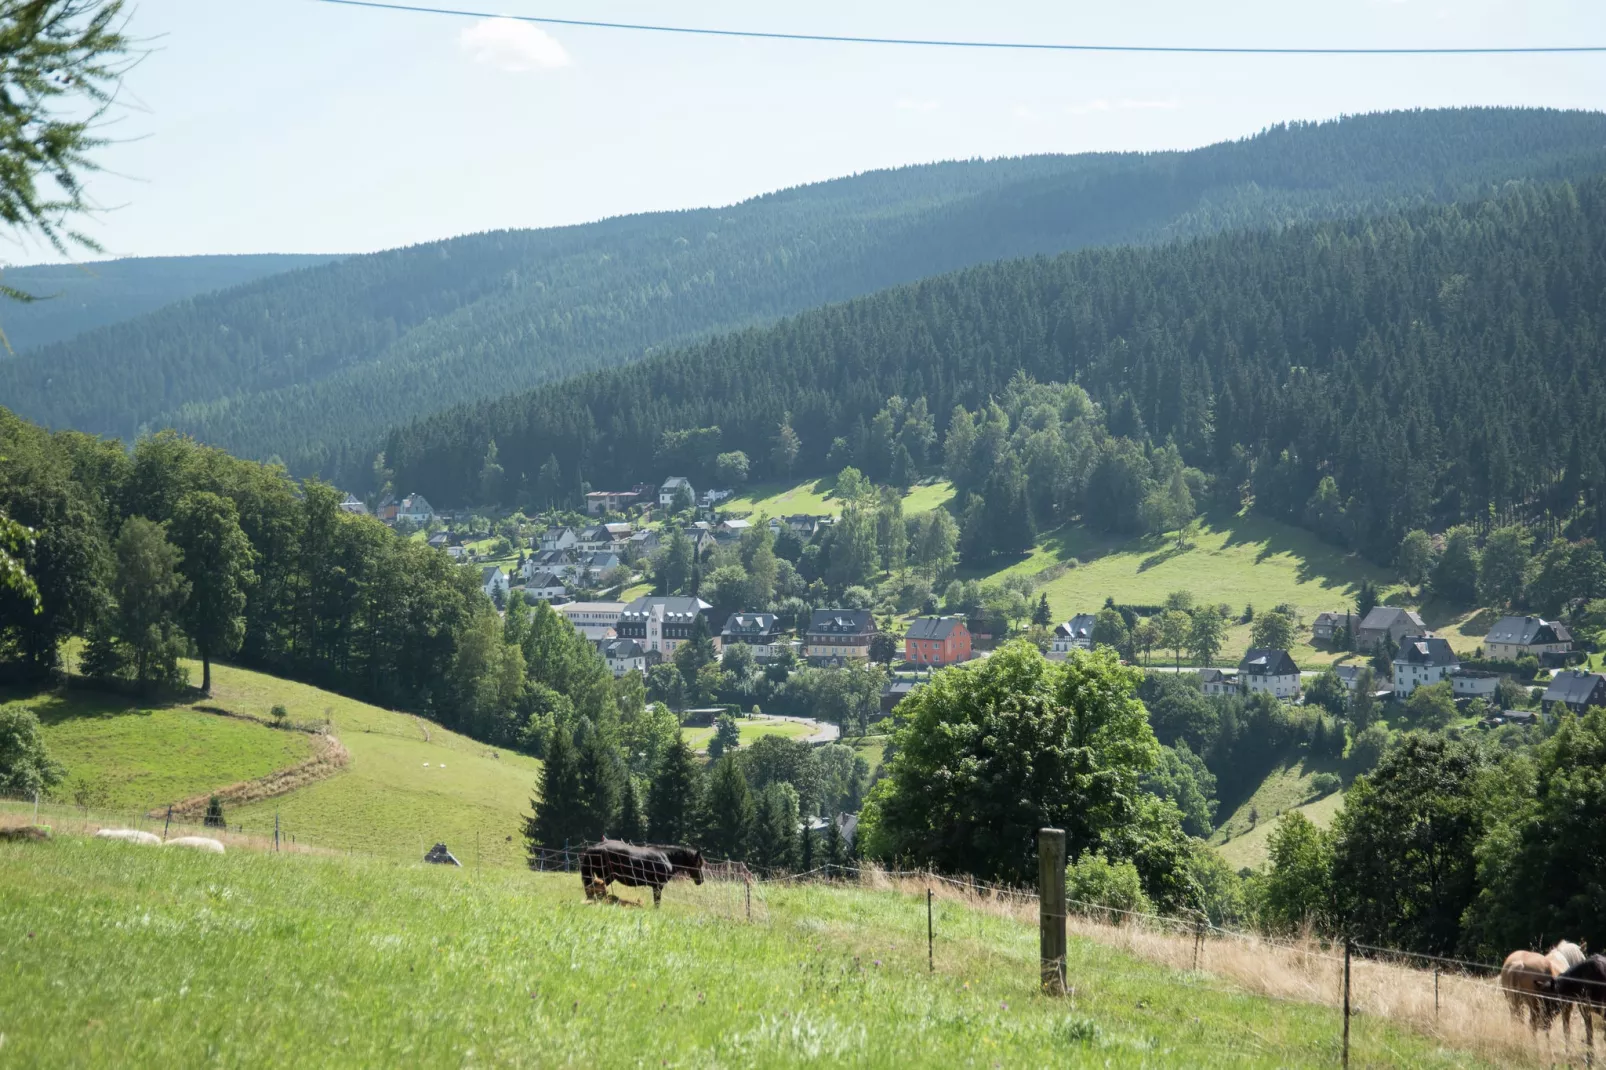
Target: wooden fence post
{"points": [[1051, 908], [167, 823], [1346, 1002], [931, 952]]}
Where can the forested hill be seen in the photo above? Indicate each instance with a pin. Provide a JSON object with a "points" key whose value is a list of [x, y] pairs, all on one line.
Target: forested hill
{"points": [[79, 297], [314, 365], [1436, 364]]}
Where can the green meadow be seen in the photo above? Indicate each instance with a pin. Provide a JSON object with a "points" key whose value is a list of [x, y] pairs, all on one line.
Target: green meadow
{"points": [[115, 955]]}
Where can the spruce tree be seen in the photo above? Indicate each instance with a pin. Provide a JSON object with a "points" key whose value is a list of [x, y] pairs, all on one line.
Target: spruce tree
{"points": [[632, 823], [1042, 615], [599, 785], [727, 817], [672, 802], [214, 814], [558, 816], [834, 853]]}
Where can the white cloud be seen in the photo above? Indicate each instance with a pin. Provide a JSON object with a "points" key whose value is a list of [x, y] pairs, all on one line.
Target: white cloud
{"points": [[511, 45], [1090, 107], [1147, 105], [913, 104]]}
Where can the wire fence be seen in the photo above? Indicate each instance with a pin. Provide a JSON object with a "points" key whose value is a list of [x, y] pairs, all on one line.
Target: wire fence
{"points": [[1459, 1002]]}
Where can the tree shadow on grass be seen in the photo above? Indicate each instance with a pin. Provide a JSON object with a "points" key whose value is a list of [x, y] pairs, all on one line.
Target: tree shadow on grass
{"points": [[1166, 553], [77, 704], [1315, 561]]}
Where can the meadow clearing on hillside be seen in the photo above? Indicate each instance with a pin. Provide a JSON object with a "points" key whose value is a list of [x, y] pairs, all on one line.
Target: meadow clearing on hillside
{"points": [[1250, 849], [816, 497], [125, 956], [410, 782], [120, 753]]}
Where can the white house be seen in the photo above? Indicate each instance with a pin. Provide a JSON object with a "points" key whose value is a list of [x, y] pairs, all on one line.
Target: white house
{"points": [[457, 553], [712, 498], [623, 655], [415, 510], [594, 620], [672, 488], [760, 631], [559, 539], [1074, 634], [1473, 683], [661, 623], [594, 538], [1218, 682], [546, 586], [493, 579], [1271, 671], [1422, 660], [645, 541]]}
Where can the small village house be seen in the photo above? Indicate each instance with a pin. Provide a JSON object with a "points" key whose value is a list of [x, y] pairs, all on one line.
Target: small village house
{"points": [[492, 580], [1474, 683], [1423, 660], [609, 501], [1390, 622], [624, 655], [1575, 690], [937, 641], [1515, 637], [1326, 625], [671, 488], [558, 538], [1271, 671], [414, 509], [546, 586], [1074, 634], [353, 505], [1218, 682]]}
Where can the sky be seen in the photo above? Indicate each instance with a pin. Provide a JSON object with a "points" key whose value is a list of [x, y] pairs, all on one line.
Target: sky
{"points": [[302, 126]]}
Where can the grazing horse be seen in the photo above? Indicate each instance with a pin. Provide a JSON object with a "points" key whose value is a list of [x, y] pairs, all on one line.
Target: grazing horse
{"points": [[638, 867], [1527, 978], [1585, 985]]}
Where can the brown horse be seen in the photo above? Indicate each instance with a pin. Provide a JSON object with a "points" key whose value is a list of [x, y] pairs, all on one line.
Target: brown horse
{"points": [[1528, 978], [638, 867]]}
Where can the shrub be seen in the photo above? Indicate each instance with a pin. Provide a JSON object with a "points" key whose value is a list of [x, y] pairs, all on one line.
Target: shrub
{"points": [[1094, 880], [280, 714], [214, 814], [1324, 784]]}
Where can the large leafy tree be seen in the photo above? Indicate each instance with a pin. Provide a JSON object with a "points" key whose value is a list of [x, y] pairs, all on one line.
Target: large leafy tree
{"points": [[1403, 864], [988, 755], [217, 561], [150, 594], [25, 765]]}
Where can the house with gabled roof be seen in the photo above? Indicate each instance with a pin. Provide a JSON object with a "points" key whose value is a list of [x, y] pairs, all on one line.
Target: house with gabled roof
{"points": [[558, 538], [624, 655], [661, 623], [1515, 637], [937, 641], [415, 510], [1271, 671], [838, 636], [761, 632], [1423, 660], [671, 488], [493, 579], [1073, 634], [1387, 622], [353, 505], [1575, 690], [546, 586]]}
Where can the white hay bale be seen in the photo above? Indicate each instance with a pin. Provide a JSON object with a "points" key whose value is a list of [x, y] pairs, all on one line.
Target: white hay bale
{"points": [[198, 843], [149, 839]]}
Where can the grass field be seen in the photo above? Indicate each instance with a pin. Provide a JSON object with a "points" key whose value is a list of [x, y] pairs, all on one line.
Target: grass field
{"points": [[122, 754], [814, 497], [1249, 850], [132, 957], [750, 730], [401, 789]]}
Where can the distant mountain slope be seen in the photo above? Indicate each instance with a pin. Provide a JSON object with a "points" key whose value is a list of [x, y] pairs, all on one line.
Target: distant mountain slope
{"points": [[312, 366], [79, 297], [1359, 377]]}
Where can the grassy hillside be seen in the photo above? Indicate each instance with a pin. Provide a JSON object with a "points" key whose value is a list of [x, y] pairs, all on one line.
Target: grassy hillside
{"points": [[1249, 849], [125, 755], [126, 956], [816, 497], [408, 781]]}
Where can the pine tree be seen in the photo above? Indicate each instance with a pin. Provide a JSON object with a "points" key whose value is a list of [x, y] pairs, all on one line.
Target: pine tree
{"points": [[600, 788], [834, 854], [632, 824], [1042, 615], [805, 848], [558, 814], [672, 801], [728, 814]]}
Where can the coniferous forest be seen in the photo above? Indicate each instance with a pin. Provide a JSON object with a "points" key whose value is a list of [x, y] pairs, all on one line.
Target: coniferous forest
{"points": [[313, 366], [1362, 377]]}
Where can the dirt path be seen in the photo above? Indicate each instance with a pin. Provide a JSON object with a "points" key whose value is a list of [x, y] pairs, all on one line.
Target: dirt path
{"points": [[328, 757]]}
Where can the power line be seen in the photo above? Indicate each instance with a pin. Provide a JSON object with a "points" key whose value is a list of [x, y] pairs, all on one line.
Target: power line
{"points": [[1036, 46]]}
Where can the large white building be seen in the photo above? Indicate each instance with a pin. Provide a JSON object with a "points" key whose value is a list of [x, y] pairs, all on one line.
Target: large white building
{"points": [[1422, 660], [594, 620], [1074, 634]]}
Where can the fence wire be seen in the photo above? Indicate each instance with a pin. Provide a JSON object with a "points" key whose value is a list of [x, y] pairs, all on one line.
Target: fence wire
{"points": [[1458, 1000]]}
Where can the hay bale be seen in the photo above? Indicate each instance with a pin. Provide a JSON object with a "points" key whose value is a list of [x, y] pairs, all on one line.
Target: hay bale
{"points": [[147, 839], [197, 843], [25, 833]]}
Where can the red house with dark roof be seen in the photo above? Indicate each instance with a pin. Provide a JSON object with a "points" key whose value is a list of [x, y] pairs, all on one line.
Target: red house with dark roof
{"points": [[937, 641]]}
